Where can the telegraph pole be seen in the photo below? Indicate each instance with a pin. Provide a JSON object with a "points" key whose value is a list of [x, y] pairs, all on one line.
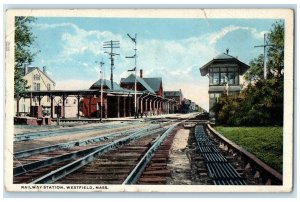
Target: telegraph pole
{"points": [[111, 45], [134, 40], [265, 45], [101, 88]]}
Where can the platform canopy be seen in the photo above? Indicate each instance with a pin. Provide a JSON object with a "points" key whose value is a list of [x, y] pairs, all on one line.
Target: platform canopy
{"points": [[224, 60]]}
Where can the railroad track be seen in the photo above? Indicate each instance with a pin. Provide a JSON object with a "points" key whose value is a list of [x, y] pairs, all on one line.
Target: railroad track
{"points": [[219, 169], [66, 146], [69, 131], [30, 160], [112, 167], [141, 156], [254, 169], [32, 172]]}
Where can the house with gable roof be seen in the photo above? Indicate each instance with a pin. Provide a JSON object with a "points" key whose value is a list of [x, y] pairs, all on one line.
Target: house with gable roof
{"points": [[37, 80]]}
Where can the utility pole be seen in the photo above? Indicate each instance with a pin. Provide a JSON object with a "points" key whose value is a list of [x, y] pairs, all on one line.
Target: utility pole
{"points": [[134, 40], [265, 45], [101, 88], [111, 45]]}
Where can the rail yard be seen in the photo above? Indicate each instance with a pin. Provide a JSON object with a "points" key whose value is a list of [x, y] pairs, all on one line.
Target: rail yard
{"points": [[142, 151]]}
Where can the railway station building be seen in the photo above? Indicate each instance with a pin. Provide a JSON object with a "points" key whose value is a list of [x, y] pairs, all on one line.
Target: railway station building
{"points": [[224, 73], [175, 95], [118, 100]]}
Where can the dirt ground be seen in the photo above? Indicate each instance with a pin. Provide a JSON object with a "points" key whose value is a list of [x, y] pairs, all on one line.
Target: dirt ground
{"points": [[185, 162], [179, 163]]}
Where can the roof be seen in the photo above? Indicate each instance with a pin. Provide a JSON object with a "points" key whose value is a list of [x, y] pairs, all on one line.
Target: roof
{"points": [[154, 83], [30, 69], [224, 56], [222, 59], [172, 93], [72, 92], [107, 85], [131, 79]]}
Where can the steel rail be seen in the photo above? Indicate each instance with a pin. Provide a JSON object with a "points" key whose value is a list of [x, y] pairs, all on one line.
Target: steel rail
{"points": [[64, 157], [39, 150], [54, 160], [269, 174], [43, 134], [71, 167], [136, 173], [219, 169]]}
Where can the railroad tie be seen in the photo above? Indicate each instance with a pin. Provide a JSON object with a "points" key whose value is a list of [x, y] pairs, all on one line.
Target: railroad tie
{"points": [[219, 169]]}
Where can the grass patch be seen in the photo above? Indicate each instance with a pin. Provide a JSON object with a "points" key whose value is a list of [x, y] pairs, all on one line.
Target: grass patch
{"points": [[264, 142]]}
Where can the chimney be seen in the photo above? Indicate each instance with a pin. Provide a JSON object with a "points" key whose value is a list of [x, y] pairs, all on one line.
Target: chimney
{"points": [[25, 68], [44, 69], [227, 51], [141, 73]]}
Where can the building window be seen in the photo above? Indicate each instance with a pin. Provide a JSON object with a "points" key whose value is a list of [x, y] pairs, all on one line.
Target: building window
{"points": [[36, 77], [74, 101], [48, 86], [36, 86], [216, 77], [67, 101], [236, 79], [223, 78], [214, 95], [224, 75], [231, 78]]}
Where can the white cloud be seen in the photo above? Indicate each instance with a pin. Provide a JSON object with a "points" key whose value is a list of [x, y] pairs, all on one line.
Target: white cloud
{"points": [[49, 73], [177, 62], [53, 26], [213, 38]]}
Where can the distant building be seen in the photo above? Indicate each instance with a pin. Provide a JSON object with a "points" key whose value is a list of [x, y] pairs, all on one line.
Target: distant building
{"points": [[91, 106], [37, 80], [185, 105], [151, 85], [193, 107], [175, 95], [224, 73]]}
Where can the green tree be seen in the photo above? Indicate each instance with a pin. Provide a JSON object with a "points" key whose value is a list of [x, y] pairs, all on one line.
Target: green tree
{"points": [[276, 52], [275, 56], [255, 71], [23, 41], [261, 102]]}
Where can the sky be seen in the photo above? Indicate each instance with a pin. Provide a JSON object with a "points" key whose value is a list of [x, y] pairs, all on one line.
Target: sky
{"points": [[174, 49]]}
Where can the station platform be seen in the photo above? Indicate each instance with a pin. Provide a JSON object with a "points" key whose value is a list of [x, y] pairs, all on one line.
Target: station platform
{"points": [[132, 118]]}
